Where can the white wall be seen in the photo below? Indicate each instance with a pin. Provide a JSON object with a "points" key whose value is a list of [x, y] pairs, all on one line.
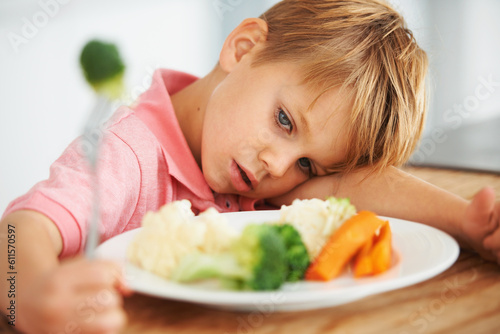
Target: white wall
{"points": [[44, 100], [462, 39]]}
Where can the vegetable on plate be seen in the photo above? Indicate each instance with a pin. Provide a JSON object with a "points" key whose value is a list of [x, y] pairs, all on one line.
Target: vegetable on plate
{"points": [[375, 257], [256, 261], [263, 258], [297, 257], [355, 235]]}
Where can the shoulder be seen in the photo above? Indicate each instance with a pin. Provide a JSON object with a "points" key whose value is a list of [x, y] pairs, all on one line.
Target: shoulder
{"points": [[124, 125]]}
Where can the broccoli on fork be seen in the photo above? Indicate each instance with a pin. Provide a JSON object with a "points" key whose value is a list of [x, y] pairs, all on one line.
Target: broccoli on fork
{"points": [[103, 68], [257, 261]]}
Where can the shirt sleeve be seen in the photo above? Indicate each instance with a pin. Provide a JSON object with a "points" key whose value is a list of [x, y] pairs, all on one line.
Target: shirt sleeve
{"points": [[66, 196]]}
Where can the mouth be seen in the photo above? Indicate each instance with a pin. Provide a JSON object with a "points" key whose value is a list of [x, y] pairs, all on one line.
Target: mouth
{"points": [[244, 176], [242, 179]]}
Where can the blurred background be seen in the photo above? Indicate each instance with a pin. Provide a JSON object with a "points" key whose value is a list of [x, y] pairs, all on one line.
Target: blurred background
{"points": [[45, 100]]}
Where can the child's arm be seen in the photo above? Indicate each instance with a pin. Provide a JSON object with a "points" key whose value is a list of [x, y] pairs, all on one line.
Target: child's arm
{"points": [[394, 193], [47, 296]]}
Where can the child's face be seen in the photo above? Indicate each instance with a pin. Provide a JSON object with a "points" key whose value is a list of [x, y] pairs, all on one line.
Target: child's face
{"points": [[255, 140]]}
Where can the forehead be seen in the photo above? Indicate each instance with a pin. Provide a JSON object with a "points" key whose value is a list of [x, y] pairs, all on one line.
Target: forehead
{"points": [[309, 95]]}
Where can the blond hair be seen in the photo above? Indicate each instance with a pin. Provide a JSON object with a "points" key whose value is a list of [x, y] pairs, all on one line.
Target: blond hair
{"points": [[365, 46]]}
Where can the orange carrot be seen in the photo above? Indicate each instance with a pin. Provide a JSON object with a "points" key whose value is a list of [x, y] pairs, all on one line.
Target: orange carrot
{"points": [[374, 257], [363, 264], [382, 250], [343, 244]]}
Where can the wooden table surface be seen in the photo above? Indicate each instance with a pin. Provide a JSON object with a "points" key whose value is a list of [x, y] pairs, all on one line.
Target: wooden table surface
{"points": [[463, 299]]}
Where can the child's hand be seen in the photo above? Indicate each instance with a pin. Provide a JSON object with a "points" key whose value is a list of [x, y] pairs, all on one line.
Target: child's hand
{"points": [[481, 226], [80, 296]]}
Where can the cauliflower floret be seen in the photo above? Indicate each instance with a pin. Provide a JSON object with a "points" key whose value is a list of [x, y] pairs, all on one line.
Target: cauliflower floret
{"points": [[174, 231]]}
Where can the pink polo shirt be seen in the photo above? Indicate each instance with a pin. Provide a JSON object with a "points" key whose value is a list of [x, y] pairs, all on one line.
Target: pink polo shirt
{"points": [[144, 162]]}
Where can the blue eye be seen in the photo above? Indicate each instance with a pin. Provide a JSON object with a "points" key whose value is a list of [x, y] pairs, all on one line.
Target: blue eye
{"points": [[305, 163], [284, 121]]}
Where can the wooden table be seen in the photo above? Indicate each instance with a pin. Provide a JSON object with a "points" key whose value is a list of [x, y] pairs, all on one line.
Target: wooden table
{"points": [[463, 299]]}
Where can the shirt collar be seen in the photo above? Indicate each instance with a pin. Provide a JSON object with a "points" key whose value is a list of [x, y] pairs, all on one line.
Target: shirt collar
{"points": [[155, 109]]}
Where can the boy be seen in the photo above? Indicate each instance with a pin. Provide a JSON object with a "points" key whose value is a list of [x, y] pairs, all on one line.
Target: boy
{"points": [[314, 98]]}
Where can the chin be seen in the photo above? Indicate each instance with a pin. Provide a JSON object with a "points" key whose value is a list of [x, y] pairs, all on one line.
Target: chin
{"points": [[214, 185]]}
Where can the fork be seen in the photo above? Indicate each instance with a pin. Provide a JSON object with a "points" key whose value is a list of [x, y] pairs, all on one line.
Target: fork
{"points": [[92, 137]]}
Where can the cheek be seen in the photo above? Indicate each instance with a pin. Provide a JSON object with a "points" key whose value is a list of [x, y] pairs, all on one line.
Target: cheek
{"points": [[215, 125]]}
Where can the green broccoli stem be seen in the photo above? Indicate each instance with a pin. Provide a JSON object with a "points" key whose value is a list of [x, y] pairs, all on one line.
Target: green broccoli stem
{"points": [[112, 88], [256, 261], [198, 266]]}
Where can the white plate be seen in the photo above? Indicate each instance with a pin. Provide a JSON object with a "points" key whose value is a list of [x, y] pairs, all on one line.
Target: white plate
{"points": [[421, 252]]}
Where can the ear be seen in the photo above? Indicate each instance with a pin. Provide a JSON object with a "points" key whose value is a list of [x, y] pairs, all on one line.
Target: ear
{"points": [[241, 41]]}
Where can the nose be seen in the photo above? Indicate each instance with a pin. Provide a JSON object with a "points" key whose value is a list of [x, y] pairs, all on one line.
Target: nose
{"points": [[277, 161]]}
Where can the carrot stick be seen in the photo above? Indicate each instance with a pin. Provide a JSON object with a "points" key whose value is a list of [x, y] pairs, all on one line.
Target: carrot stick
{"points": [[343, 244], [363, 265], [374, 257], [381, 254]]}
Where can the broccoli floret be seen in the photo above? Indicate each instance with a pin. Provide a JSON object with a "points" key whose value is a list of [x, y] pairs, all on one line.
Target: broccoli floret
{"points": [[256, 261], [103, 68], [297, 256]]}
